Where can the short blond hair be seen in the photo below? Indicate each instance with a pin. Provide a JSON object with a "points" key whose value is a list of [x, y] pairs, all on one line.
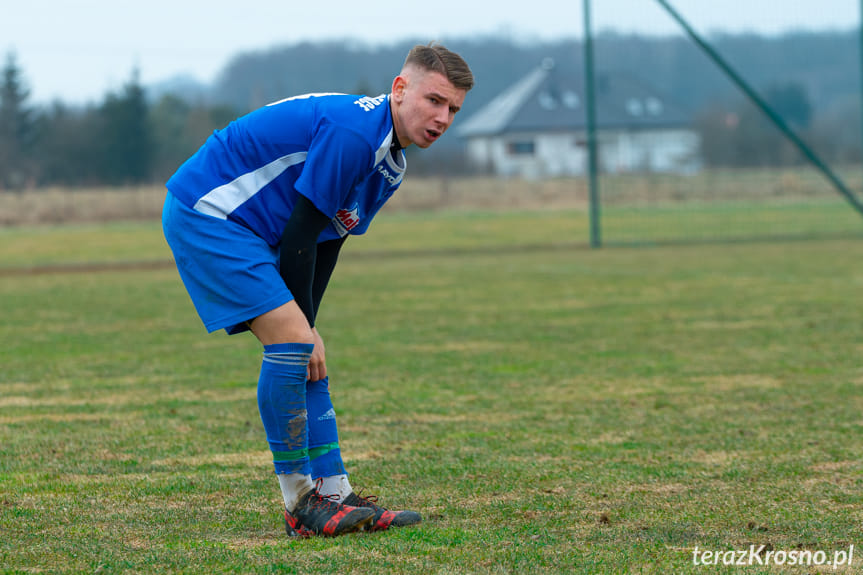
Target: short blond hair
{"points": [[435, 58]]}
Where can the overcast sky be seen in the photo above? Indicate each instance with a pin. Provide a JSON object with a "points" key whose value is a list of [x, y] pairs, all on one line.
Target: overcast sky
{"points": [[78, 50]]}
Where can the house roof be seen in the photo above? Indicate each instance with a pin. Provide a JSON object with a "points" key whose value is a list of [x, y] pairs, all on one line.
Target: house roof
{"points": [[551, 98]]}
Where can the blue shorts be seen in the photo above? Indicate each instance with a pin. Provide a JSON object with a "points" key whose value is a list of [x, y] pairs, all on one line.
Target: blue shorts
{"points": [[231, 274]]}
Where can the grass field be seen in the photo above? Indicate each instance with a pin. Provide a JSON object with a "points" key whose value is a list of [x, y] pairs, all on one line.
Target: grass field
{"points": [[636, 209], [548, 408]]}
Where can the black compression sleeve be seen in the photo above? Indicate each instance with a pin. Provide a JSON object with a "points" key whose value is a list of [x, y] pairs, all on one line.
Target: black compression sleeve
{"points": [[328, 255], [298, 253]]}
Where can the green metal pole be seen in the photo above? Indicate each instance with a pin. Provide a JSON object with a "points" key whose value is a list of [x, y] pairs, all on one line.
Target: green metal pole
{"points": [[767, 110], [590, 104]]}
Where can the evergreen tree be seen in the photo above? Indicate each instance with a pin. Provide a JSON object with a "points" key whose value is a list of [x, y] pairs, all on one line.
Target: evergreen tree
{"points": [[169, 135], [127, 143], [69, 151], [791, 101], [17, 128], [179, 128]]}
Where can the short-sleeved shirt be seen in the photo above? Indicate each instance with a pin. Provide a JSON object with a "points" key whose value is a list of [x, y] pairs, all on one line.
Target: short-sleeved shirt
{"points": [[334, 149]]}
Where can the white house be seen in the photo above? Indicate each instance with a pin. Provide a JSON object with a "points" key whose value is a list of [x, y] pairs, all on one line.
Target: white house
{"points": [[537, 128]]}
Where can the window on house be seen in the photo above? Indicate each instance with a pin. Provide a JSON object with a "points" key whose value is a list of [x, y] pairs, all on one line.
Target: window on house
{"points": [[654, 106], [634, 107], [571, 100], [521, 148], [547, 101]]}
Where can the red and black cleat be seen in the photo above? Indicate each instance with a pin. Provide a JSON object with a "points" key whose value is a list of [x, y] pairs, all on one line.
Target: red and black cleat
{"points": [[323, 515], [383, 518]]}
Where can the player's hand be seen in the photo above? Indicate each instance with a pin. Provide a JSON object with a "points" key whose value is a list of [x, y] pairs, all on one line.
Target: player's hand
{"points": [[318, 364]]}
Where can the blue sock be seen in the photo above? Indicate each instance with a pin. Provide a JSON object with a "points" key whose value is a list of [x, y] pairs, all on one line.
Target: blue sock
{"points": [[326, 458], [282, 403]]}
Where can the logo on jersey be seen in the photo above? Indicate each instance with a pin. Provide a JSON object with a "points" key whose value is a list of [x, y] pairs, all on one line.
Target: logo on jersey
{"points": [[388, 176], [346, 220], [368, 104]]}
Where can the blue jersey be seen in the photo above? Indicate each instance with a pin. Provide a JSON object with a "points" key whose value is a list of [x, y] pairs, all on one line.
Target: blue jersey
{"points": [[334, 149]]}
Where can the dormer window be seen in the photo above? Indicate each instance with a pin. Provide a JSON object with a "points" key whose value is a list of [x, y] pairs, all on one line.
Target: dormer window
{"points": [[654, 106], [634, 107], [571, 100], [547, 101]]}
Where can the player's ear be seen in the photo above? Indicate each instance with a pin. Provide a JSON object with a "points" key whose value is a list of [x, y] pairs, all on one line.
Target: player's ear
{"points": [[399, 85]]}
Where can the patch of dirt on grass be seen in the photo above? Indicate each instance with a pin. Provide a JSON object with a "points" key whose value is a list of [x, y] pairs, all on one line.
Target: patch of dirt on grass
{"points": [[712, 457], [833, 466], [132, 397], [256, 458], [268, 539], [460, 345], [660, 488], [7, 419], [741, 381]]}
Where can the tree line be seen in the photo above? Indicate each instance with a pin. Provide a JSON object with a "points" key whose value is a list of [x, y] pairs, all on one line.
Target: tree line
{"points": [[812, 79], [132, 138], [124, 140]]}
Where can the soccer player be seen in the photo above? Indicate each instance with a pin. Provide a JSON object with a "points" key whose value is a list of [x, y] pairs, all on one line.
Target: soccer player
{"points": [[256, 219]]}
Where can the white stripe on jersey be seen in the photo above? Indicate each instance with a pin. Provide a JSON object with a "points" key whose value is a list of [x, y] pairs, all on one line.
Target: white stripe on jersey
{"points": [[221, 201], [384, 150], [306, 97]]}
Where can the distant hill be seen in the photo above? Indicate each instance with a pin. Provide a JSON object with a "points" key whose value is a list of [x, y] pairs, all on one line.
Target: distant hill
{"points": [[823, 64], [183, 86]]}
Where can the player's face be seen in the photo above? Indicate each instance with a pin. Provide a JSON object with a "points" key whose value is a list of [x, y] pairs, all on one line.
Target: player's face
{"points": [[425, 105]]}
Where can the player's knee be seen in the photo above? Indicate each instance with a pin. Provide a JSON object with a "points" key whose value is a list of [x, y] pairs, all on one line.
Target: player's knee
{"points": [[302, 336], [289, 336], [282, 325], [292, 333], [284, 334]]}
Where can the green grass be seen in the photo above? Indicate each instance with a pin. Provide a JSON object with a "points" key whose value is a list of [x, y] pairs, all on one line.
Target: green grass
{"points": [[83, 243], [731, 221], [457, 230], [547, 410]]}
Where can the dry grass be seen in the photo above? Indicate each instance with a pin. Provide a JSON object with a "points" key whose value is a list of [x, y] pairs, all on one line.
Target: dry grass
{"points": [[58, 205], [489, 194]]}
